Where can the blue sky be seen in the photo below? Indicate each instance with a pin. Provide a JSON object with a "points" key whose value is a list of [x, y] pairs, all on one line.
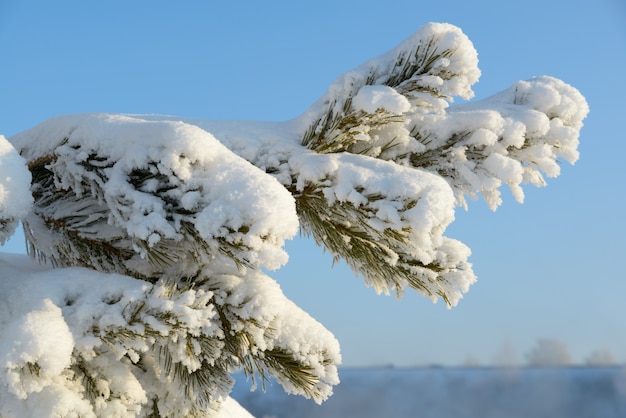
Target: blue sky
{"points": [[552, 267]]}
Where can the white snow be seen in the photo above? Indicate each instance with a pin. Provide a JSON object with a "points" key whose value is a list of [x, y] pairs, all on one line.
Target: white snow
{"points": [[516, 136], [372, 98], [256, 304], [227, 197], [14, 180], [232, 409], [463, 63], [49, 315], [227, 193]]}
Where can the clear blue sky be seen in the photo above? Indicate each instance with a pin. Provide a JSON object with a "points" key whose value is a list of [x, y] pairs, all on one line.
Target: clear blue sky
{"points": [[552, 267]]}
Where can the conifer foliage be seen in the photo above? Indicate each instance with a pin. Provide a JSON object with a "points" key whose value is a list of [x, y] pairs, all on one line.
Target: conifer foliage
{"points": [[153, 233]]}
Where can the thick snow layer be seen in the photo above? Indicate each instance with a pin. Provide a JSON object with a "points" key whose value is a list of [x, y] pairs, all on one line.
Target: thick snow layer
{"points": [[459, 393], [14, 180], [146, 165], [372, 98], [521, 133], [53, 319]]}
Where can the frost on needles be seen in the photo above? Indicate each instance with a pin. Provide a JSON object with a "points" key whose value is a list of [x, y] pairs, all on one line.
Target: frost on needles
{"points": [[152, 233]]}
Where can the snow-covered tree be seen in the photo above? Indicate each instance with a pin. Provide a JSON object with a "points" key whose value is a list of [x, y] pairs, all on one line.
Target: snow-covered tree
{"points": [[601, 357], [153, 233], [549, 352], [506, 355]]}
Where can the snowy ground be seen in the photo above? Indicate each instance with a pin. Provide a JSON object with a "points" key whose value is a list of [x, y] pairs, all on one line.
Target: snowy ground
{"points": [[577, 392]]}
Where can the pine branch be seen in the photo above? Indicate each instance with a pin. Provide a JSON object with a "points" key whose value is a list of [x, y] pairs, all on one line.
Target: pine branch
{"points": [[201, 387], [343, 132], [510, 138], [420, 61], [77, 220], [289, 371], [7, 228], [263, 353], [87, 378], [434, 53], [436, 64], [159, 342], [380, 256]]}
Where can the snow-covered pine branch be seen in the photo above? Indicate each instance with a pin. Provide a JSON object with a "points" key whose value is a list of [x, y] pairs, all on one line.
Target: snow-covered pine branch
{"points": [[512, 138], [166, 203], [148, 198], [180, 216], [393, 115], [100, 344], [396, 107]]}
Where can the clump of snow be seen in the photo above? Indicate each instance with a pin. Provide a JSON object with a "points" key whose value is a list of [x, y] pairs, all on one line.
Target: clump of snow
{"points": [[14, 181], [456, 69], [30, 348], [372, 98], [48, 319], [512, 138]]}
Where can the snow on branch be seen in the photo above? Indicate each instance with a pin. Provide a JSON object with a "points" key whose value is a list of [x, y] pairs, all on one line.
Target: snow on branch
{"points": [[271, 337], [510, 138], [90, 343], [165, 202], [14, 181], [396, 108], [148, 196], [421, 75], [385, 220]]}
